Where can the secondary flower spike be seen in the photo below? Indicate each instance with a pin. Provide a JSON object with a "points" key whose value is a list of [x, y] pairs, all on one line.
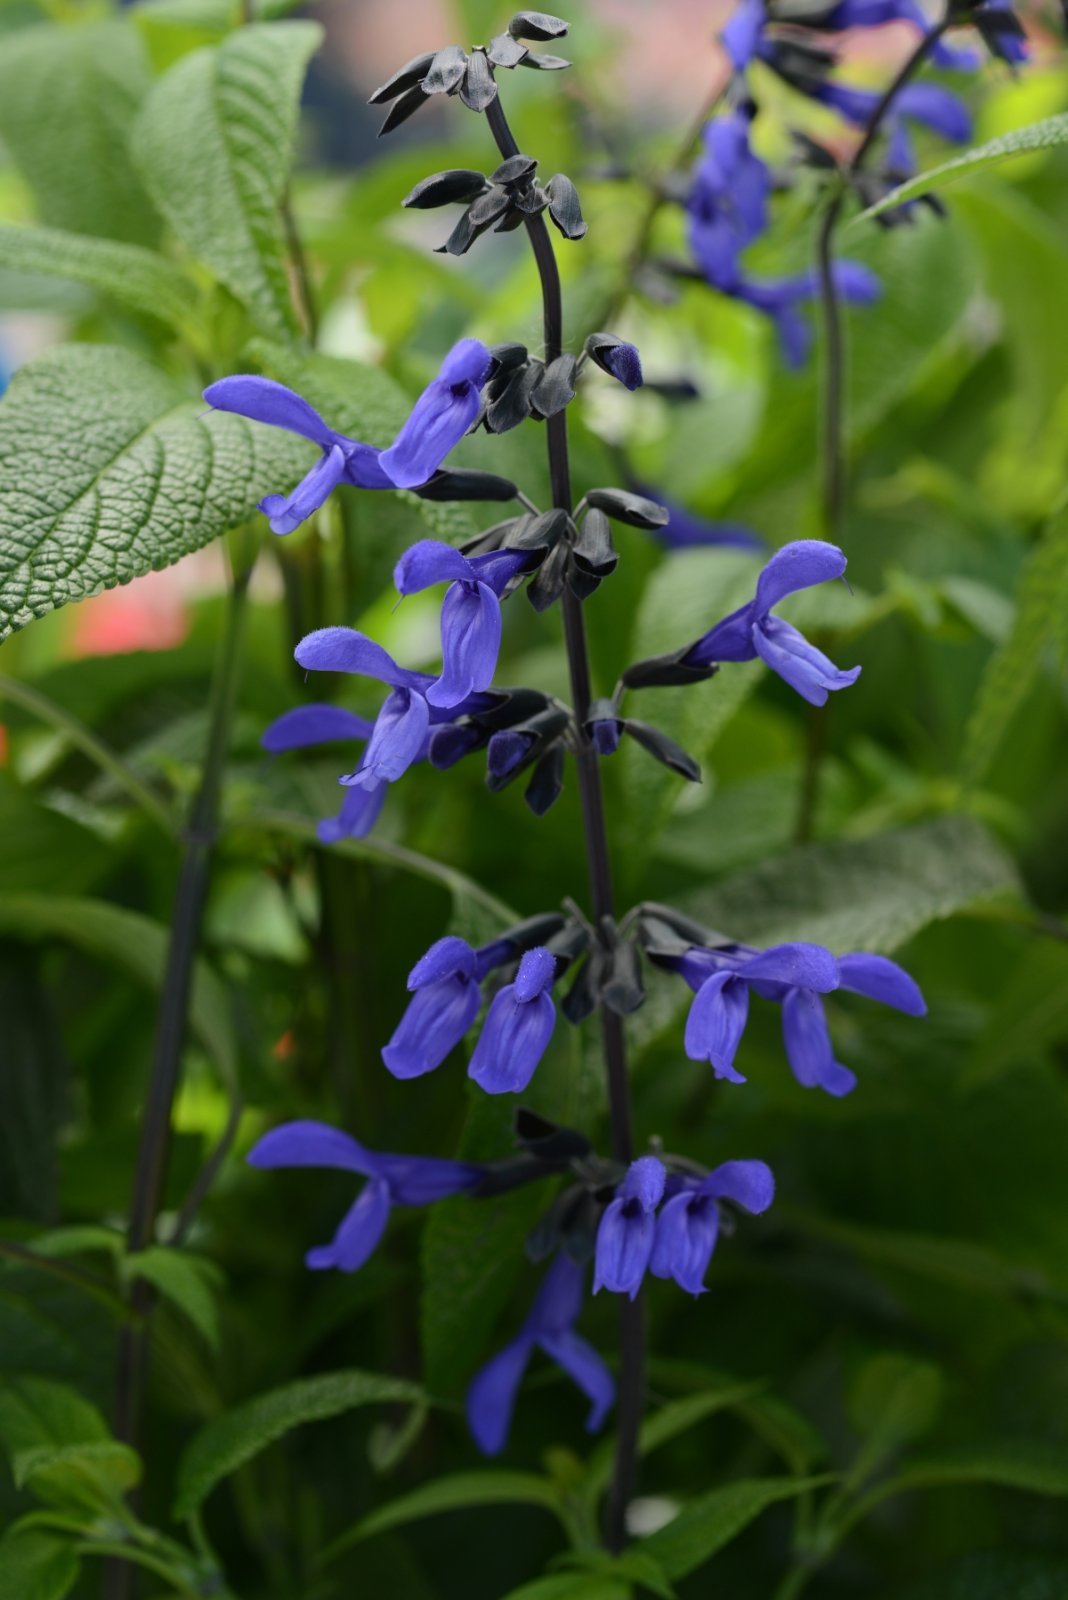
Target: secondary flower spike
{"points": [[392, 1180], [439, 419], [688, 1223], [628, 1227], [549, 1326], [752, 631], [517, 1028]]}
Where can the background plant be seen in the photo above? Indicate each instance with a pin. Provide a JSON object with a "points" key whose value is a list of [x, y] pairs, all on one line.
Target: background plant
{"points": [[896, 1323]]}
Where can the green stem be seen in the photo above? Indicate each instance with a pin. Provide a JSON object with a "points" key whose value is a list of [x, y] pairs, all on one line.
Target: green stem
{"points": [[84, 739]]}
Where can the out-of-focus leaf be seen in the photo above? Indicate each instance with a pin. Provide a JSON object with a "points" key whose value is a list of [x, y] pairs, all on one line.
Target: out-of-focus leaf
{"points": [[1032, 1464], [136, 943], [457, 1492], [140, 279], [1040, 625], [108, 470], [236, 1436], [710, 1521], [32, 1089], [186, 1281], [573, 1586], [1038, 136], [59, 1446], [68, 97], [36, 1566], [214, 143], [665, 1424], [868, 894]]}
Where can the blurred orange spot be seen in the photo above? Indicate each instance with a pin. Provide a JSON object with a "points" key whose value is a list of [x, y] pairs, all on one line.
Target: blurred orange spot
{"points": [[285, 1046], [148, 614]]}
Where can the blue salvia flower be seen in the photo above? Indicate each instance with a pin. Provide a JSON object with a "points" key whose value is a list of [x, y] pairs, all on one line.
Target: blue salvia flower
{"points": [[306, 726], [752, 631], [440, 417], [688, 1222], [392, 1180], [804, 1023], [627, 1229], [929, 104], [779, 298], [470, 614], [550, 1327], [446, 999], [720, 1009], [877, 13], [518, 1027]]}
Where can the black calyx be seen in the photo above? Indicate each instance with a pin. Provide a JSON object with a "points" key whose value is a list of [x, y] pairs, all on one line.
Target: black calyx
{"points": [[666, 933], [458, 186], [610, 976], [663, 672], [594, 557], [565, 208], [461, 484]]}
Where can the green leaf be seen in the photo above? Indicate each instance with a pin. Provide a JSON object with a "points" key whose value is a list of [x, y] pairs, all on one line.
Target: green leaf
{"points": [[35, 1566], [238, 1435], [59, 1446], [186, 1281], [137, 278], [1033, 1464], [68, 97], [457, 1492], [135, 942], [894, 1398], [867, 894], [108, 470], [573, 1586], [665, 1424], [712, 1520], [1023, 141], [1039, 626], [214, 143]]}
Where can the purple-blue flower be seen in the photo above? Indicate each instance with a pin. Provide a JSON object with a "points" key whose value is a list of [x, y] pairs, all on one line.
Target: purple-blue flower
{"points": [[688, 1222], [877, 13], [316, 724], [727, 205], [720, 1008], [804, 1022], [517, 1028], [549, 1326], [445, 987], [930, 104], [392, 1180], [742, 35], [628, 1227], [470, 613], [439, 419], [752, 631], [780, 299]]}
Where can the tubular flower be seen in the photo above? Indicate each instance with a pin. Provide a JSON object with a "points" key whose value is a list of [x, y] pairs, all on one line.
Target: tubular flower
{"points": [[549, 1326], [628, 1227], [517, 1028], [392, 1180], [439, 419], [688, 1223], [720, 1010], [752, 631], [804, 1023], [470, 615], [445, 987]]}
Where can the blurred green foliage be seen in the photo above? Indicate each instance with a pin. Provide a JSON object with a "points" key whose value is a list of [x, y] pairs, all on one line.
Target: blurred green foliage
{"points": [[873, 1400]]}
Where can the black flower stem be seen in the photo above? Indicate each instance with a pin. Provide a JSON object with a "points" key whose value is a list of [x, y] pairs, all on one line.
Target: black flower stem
{"points": [[834, 483], [155, 1143], [632, 1334]]}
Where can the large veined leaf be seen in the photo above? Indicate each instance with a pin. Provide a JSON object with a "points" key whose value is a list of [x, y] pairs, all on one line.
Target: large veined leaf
{"points": [[68, 97], [135, 942], [712, 1520], [140, 279], [108, 470], [214, 143], [1023, 141], [1039, 624], [862, 894], [238, 1435]]}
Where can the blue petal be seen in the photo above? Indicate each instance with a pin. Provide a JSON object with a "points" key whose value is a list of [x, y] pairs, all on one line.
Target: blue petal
{"points": [[287, 512], [429, 562], [644, 1182], [506, 750], [497, 568], [445, 959], [686, 1231], [467, 362], [263, 400], [313, 724], [559, 1298], [586, 1368], [716, 1023], [797, 566], [470, 643], [436, 1019], [605, 735], [492, 1395], [749, 1184], [881, 979], [803, 966], [808, 1045], [855, 283], [624, 1245], [937, 108], [742, 34], [359, 1234], [513, 1040], [536, 975], [363, 467], [440, 417], [729, 640], [358, 815], [420, 1180], [799, 663], [625, 364], [312, 1144], [399, 738], [345, 650]]}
